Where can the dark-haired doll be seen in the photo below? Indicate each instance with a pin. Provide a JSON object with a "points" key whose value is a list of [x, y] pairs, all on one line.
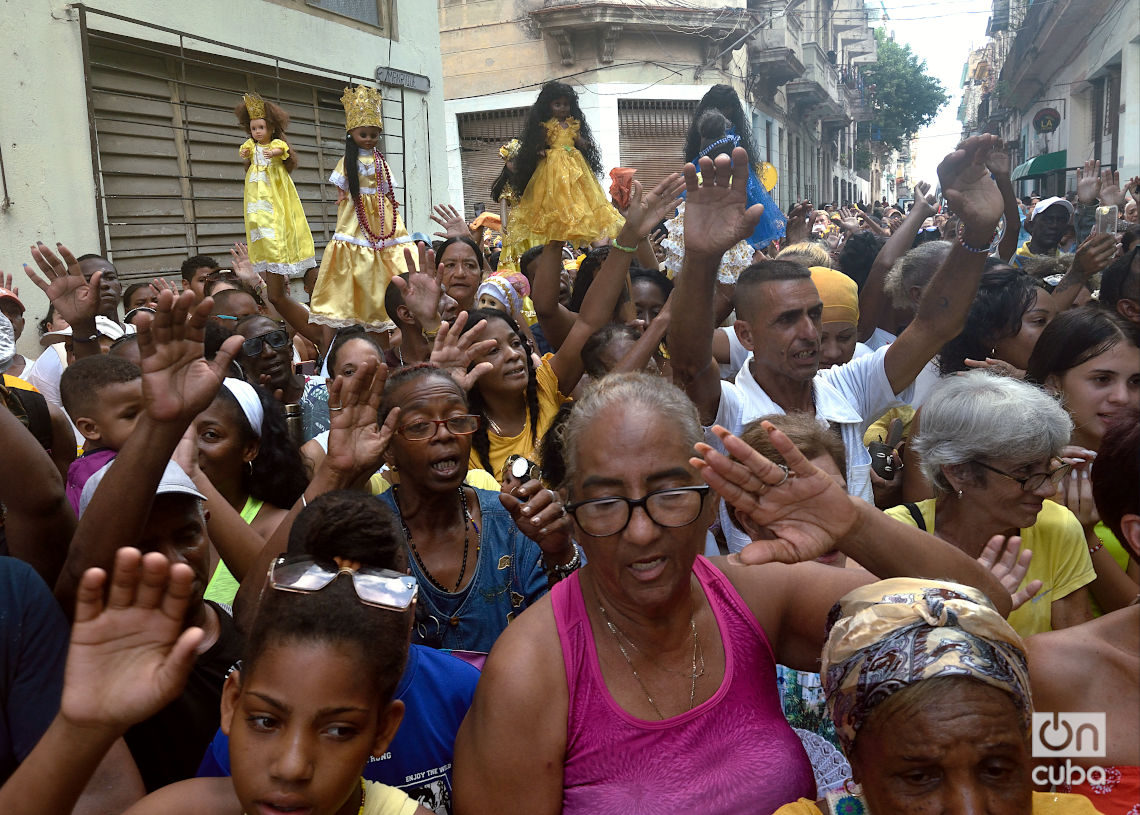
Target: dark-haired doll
{"points": [[557, 168], [366, 251], [723, 98], [276, 231]]}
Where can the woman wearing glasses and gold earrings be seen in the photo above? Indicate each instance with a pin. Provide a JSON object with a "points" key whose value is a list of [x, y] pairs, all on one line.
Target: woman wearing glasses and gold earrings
{"points": [[989, 446]]}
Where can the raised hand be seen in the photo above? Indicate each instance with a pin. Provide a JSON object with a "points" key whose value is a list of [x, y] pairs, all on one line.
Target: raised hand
{"points": [[647, 210], [997, 163], [923, 194], [423, 289], [454, 226], [539, 513], [969, 189], [717, 215], [6, 283], [1088, 182], [178, 382], [455, 350], [1002, 559], [996, 366], [801, 506], [1110, 192], [76, 300], [129, 657], [357, 442], [239, 254], [797, 230], [1076, 494], [161, 284], [1095, 253], [849, 221]]}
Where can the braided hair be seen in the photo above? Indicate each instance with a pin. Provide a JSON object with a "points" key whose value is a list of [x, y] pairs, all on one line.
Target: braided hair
{"points": [[481, 442]]}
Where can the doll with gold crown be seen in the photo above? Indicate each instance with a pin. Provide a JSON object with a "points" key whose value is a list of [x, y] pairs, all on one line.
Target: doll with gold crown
{"points": [[366, 251], [275, 227]]}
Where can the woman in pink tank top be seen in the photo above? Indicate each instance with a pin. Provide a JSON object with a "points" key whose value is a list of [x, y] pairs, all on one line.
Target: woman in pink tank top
{"points": [[646, 681]]}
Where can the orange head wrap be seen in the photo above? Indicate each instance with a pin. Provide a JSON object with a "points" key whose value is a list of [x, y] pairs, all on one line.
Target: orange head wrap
{"points": [[839, 293]]}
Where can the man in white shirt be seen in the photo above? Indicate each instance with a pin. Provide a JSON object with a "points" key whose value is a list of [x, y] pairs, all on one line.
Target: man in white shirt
{"points": [[779, 314]]}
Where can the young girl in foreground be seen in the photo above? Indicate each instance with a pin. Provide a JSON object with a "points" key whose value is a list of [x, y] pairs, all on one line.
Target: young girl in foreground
{"points": [[309, 706]]}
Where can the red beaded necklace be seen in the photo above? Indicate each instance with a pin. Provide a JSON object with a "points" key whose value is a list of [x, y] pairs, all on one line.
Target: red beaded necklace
{"points": [[383, 178]]}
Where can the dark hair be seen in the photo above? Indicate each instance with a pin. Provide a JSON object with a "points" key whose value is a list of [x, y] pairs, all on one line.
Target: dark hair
{"points": [[278, 121], [447, 244], [393, 299], [552, 448], [712, 126], [44, 324], [221, 298], [81, 381], [346, 335], [598, 342], [277, 476], [411, 373], [118, 347], [858, 255], [1116, 474], [1073, 338], [352, 167], [213, 336], [1004, 295], [130, 290], [1117, 281], [721, 98], [528, 257], [197, 262], [350, 525], [586, 271], [480, 442], [534, 134], [655, 277]]}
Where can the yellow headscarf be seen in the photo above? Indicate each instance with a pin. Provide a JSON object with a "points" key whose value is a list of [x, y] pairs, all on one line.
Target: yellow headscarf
{"points": [[839, 293]]}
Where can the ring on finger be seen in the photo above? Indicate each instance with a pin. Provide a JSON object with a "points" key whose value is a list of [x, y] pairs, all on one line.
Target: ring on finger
{"points": [[334, 409], [783, 467]]}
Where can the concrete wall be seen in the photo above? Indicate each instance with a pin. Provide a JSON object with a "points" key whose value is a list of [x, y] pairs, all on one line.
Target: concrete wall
{"points": [[43, 111]]}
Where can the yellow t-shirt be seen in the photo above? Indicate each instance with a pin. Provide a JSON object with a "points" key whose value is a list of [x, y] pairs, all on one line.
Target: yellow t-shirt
{"points": [[1044, 803], [549, 400], [1060, 560], [380, 799]]}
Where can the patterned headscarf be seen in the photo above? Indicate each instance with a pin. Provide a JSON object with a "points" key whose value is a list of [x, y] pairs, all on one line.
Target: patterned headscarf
{"points": [[889, 635], [501, 289]]}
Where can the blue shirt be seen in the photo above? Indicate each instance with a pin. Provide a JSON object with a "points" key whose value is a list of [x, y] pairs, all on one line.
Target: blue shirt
{"points": [[436, 690]]}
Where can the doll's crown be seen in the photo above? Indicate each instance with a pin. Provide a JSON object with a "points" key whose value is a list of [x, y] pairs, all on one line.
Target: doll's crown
{"points": [[361, 107], [255, 106]]}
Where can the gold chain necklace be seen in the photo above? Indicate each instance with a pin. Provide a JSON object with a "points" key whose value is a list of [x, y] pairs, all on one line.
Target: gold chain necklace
{"points": [[692, 675]]}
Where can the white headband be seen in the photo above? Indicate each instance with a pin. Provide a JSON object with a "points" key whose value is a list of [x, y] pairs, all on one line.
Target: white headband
{"points": [[248, 401]]}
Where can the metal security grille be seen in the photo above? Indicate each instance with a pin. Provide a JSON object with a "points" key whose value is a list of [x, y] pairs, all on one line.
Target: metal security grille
{"points": [[651, 136], [480, 137], [169, 181]]}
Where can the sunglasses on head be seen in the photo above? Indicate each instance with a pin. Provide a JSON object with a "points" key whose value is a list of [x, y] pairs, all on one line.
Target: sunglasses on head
{"points": [[220, 274], [277, 339], [382, 588]]}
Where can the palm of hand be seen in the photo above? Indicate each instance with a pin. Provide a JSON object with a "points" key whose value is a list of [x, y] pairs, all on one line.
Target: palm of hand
{"points": [[178, 383], [422, 295], [806, 514], [74, 298], [715, 219]]}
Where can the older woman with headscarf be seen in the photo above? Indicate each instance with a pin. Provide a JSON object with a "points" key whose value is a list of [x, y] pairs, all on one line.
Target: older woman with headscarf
{"points": [[989, 446], [929, 691], [838, 334]]}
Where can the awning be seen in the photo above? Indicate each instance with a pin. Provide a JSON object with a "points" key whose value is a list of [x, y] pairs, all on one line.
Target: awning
{"points": [[1041, 165]]}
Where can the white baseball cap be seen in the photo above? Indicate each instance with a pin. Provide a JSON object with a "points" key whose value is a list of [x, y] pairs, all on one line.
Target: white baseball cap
{"points": [[174, 481], [1048, 202]]}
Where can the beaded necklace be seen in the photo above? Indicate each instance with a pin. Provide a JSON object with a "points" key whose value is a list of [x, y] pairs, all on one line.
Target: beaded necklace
{"points": [[416, 554], [384, 179]]}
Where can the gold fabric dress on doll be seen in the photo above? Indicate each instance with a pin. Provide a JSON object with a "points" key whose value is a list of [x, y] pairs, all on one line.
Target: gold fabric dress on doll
{"points": [[563, 201], [354, 271], [275, 227]]}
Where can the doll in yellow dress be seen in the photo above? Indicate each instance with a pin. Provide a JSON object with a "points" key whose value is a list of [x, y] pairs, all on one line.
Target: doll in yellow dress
{"points": [[276, 231], [557, 168], [367, 249]]}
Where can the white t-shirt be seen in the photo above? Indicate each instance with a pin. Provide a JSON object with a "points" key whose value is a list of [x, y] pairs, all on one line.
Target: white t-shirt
{"points": [[44, 375], [847, 397]]}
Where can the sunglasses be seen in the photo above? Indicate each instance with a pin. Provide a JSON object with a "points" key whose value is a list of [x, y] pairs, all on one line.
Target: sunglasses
{"points": [[382, 588], [220, 274], [276, 339]]}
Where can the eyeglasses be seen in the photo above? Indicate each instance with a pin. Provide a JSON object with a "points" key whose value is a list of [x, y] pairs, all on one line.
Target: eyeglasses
{"points": [[671, 508], [427, 428], [1035, 481], [276, 339], [382, 588]]}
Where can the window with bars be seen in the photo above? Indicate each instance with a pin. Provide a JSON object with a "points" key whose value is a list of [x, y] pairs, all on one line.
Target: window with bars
{"points": [[481, 135], [651, 136]]}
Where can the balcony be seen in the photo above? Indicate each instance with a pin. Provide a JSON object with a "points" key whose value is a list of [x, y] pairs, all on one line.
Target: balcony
{"points": [[773, 55], [604, 22], [816, 94]]}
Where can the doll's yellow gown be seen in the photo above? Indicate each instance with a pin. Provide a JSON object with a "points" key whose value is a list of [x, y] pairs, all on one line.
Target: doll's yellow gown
{"points": [[354, 273], [276, 231], [563, 200]]}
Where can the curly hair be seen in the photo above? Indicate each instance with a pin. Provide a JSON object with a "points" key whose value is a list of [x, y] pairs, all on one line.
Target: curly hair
{"points": [[590, 266], [858, 255], [533, 138], [1004, 295], [277, 476], [278, 121], [724, 99], [480, 442]]}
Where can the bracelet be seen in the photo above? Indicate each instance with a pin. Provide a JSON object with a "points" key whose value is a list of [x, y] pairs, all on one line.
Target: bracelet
{"points": [[1094, 549], [565, 570], [621, 248], [971, 249]]}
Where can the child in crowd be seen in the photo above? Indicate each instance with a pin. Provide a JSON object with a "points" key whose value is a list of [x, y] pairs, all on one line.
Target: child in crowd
{"points": [[103, 397]]}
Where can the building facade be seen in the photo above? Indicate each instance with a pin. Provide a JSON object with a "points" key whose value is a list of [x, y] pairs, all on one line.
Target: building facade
{"points": [[641, 68], [135, 100]]}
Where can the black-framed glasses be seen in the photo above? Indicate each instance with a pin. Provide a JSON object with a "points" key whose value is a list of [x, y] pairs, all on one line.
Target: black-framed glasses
{"points": [[423, 429], [276, 339], [1033, 481], [382, 588], [670, 508]]}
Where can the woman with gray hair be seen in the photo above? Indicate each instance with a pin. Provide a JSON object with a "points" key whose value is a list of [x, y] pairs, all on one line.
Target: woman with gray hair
{"points": [[989, 446], [646, 679]]}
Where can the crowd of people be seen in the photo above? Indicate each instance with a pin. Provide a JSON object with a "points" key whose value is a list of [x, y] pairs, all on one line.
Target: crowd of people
{"points": [[663, 501]]}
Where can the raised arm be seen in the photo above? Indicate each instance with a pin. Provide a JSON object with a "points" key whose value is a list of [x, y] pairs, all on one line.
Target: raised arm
{"points": [[717, 217], [295, 314], [554, 318], [178, 384], [998, 165], [76, 300], [874, 304], [945, 303]]}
